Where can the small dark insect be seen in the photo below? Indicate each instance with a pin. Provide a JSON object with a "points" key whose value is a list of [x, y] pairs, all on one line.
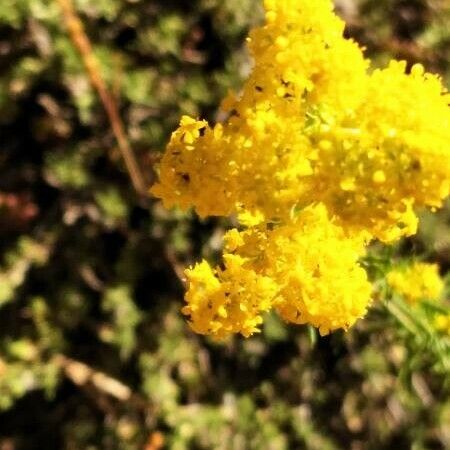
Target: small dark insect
{"points": [[259, 88], [415, 165], [202, 131]]}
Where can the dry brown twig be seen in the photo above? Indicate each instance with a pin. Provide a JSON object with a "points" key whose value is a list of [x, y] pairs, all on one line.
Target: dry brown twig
{"points": [[81, 375], [82, 44]]}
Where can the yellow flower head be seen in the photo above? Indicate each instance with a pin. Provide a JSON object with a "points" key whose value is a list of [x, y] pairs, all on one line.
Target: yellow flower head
{"points": [[442, 323], [316, 268], [222, 302], [417, 282], [306, 270], [313, 124]]}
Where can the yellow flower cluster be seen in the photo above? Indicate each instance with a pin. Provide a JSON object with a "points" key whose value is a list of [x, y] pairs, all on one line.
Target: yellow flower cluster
{"points": [[226, 301], [314, 142], [442, 323], [417, 282], [306, 270]]}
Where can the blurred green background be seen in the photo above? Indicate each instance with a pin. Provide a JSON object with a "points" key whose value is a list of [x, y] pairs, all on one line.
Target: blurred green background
{"points": [[94, 353]]}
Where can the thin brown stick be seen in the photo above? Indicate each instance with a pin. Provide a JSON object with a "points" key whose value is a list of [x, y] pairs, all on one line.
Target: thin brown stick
{"points": [[81, 375], [82, 44]]}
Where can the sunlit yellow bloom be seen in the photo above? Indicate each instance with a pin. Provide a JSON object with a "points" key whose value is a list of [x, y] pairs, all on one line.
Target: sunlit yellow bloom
{"points": [[417, 282], [312, 125], [316, 268], [442, 323], [221, 302], [306, 270]]}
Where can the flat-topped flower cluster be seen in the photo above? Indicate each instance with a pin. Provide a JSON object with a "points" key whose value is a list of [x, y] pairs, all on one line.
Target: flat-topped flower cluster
{"points": [[319, 155]]}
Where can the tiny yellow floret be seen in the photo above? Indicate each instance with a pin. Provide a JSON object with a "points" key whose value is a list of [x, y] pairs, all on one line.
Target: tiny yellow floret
{"points": [[379, 177]]}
